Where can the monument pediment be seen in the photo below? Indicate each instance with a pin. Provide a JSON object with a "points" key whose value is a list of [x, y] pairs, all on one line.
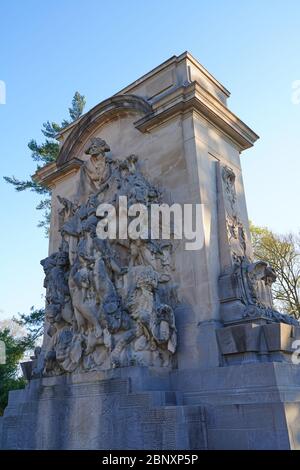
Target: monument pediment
{"points": [[114, 107]]}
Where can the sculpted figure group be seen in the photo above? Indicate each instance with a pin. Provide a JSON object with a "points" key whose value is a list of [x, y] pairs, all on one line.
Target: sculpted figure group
{"points": [[253, 278], [104, 303]]}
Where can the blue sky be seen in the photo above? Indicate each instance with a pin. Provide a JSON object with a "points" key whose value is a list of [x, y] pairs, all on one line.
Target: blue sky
{"points": [[48, 50]]}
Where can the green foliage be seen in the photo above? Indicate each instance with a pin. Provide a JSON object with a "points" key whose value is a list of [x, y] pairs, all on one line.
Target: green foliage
{"points": [[52, 128], [34, 324], [23, 185], [9, 379], [42, 154], [282, 252], [78, 104], [16, 347], [47, 152]]}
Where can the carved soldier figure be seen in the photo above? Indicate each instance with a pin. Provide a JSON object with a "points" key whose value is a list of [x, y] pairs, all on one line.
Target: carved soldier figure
{"points": [[58, 301], [102, 314], [261, 277], [95, 171], [86, 309]]}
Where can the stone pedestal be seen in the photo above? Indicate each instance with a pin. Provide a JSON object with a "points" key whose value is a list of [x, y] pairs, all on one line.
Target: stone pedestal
{"points": [[130, 409], [148, 345], [246, 406]]}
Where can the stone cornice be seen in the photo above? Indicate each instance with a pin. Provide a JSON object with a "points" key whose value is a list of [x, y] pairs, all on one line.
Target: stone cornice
{"points": [[174, 60], [50, 174], [104, 111], [176, 94], [194, 97]]}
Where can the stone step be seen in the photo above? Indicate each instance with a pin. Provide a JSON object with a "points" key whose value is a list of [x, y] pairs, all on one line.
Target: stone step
{"points": [[101, 415]]}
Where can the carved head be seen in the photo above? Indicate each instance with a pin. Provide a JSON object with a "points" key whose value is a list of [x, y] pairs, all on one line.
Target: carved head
{"points": [[53, 313], [270, 276], [62, 259], [148, 279], [97, 147], [228, 175], [48, 263], [261, 271]]}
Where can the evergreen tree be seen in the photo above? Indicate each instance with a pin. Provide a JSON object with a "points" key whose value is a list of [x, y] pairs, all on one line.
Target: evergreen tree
{"points": [[19, 336], [45, 153], [33, 322], [9, 377], [16, 346]]}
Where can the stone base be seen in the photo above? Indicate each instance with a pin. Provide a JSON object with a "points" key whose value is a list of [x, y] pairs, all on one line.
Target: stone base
{"points": [[101, 411], [248, 406]]}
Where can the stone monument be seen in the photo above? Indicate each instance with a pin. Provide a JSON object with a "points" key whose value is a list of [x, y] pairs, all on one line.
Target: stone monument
{"points": [[149, 345]]}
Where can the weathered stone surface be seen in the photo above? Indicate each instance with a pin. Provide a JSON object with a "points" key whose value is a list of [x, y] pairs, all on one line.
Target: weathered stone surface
{"points": [[266, 342], [148, 345], [244, 284], [100, 414], [109, 302]]}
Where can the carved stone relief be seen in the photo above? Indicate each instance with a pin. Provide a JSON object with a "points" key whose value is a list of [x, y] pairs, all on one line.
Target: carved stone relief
{"points": [[245, 285], [235, 229], [105, 301]]}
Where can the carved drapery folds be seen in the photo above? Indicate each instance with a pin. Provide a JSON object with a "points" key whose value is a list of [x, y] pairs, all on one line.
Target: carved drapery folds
{"points": [[245, 286], [108, 302]]}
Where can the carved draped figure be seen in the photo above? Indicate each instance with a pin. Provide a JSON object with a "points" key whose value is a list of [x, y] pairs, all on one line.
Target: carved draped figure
{"points": [[104, 302]]}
